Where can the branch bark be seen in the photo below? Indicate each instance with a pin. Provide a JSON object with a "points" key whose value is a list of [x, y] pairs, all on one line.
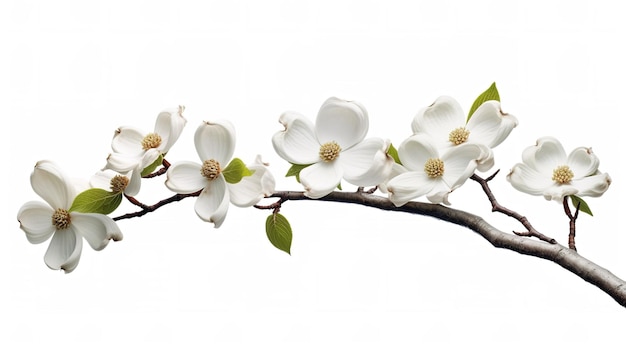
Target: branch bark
{"points": [[559, 254]]}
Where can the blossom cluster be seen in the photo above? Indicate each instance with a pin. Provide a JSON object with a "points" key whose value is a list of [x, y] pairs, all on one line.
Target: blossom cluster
{"points": [[441, 154], [444, 149], [73, 211]]}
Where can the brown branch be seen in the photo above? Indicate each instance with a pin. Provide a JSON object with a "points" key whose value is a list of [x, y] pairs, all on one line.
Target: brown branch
{"points": [[571, 240], [147, 209], [161, 171], [496, 207], [561, 255]]}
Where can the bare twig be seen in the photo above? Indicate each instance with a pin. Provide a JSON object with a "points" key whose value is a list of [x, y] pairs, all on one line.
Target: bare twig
{"points": [[147, 209], [496, 207], [161, 171], [571, 241]]}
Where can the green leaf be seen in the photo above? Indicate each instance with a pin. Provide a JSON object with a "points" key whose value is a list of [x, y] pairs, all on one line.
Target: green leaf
{"points": [[235, 171], [294, 171], [339, 186], [152, 167], [489, 94], [394, 153], [583, 205], [96, 200], [279, 232]]}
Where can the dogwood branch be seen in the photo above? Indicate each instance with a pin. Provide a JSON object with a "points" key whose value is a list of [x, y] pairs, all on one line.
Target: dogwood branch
{"points": [[561, 255]]}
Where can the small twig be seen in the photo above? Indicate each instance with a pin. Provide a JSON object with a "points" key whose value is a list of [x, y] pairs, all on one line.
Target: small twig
{"points": [[571, 241], [148, 209], [273, 206], [136, 202], [161, 171], [496, 207]]}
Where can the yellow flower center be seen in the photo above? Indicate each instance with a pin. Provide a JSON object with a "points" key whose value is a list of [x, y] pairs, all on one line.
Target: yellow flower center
{"points": [[434, 167], [459, 136], [119, 183], [151, 141], [329, 151], [61, 219], [211, 169], [562, 175]]}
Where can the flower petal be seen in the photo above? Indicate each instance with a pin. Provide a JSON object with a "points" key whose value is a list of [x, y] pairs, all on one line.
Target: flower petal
{"points": [[396, 170], [367, 163], [64, 250], [593, 186], [341, 121], [36, 221], [212, 204], [215, 141], [169, 125], [134, 183], [185, 178], [583, 162], [545, 155], [123, 163], [408, 186], [460, 163], [528, 180], [489, 126], [252, 189], [96, 228], [439, 119], [296, 144], [416, 150], [49, 182], [127, 140], [320, 179]]}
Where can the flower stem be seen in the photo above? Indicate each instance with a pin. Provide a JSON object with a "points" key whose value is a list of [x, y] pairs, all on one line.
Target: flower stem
{"points": [[571, 241]]}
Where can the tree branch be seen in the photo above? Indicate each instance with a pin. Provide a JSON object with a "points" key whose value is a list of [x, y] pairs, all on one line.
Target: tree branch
{"points": [[561, 255]]}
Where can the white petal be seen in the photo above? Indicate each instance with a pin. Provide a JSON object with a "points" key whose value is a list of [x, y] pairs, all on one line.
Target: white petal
{"points": [[439, 119], [396, 170], [215, 141], [127, 140], [546, 155], [408, 186], [134, 183], [64, 250], [439, 194], [487, 161], [49, 182], [583, 162], [320, 179], [296, 144], [212, 204], [341, 121], [528, 180], [489, 126], [36, 221], [367, 163], [102, 179], [123, 162], [416, 150], [185, 178], [169, 125], [557, 192], [252, 189], [593, 186], [460, 163], [96, 228]]}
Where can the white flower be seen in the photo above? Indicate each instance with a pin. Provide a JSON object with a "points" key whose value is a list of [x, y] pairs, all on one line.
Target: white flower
{"points": [[335, 148], [445, 122], [215, 144], [431, 173], [40, 221], [546, 170], [133, 148]]}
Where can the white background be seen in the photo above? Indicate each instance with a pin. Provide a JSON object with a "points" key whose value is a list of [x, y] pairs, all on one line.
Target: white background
{"points": [[73, 71]]}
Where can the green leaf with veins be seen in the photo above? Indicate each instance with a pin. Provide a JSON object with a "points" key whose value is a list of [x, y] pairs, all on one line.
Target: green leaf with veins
{"points": [[394, 154], [235, 171], [279, 232], [96, 200], [490, 94]]}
